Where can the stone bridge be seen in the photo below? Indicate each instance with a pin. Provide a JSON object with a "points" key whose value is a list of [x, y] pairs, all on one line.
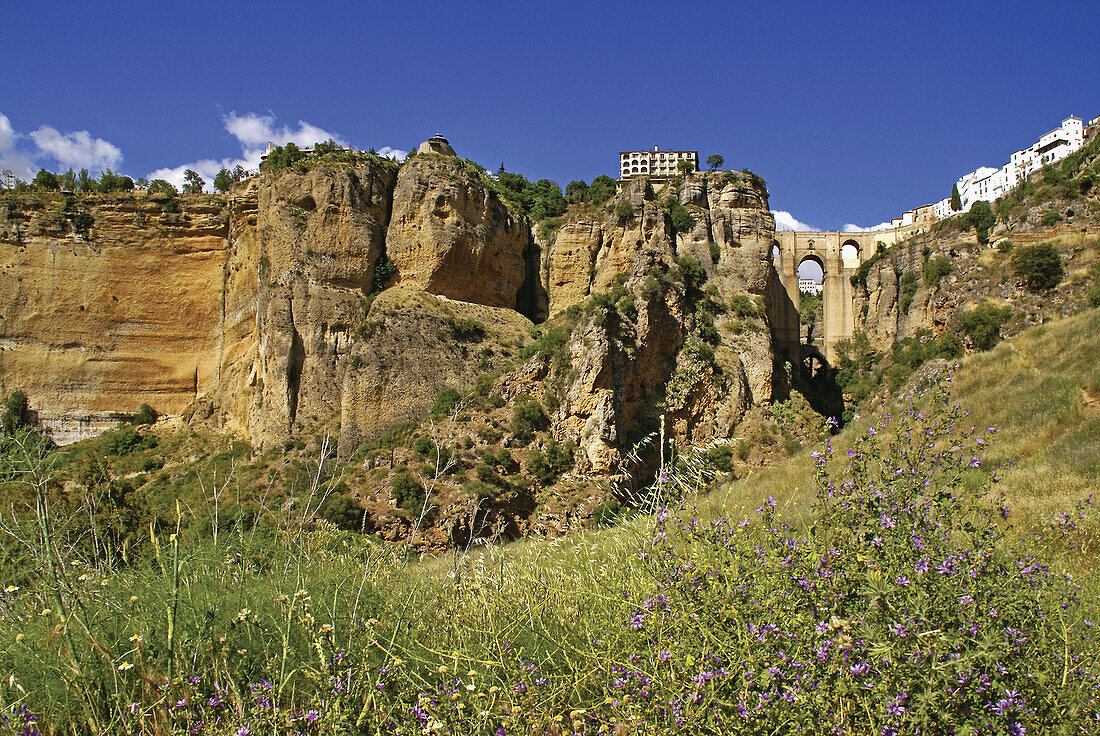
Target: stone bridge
{"points": [[839, 255]]}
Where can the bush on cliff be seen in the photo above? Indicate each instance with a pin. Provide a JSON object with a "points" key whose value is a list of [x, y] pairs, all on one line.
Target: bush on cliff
{"points": [[934, 271], [527, 418], [1039, 266], [983, 323], [407, 491]]}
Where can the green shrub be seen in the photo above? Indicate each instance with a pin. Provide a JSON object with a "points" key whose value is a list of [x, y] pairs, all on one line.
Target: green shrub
{"points": [[424, 446], [692, 274], [715, 252], [606, 513], [720, 457], [16, 414], [983, 323], [467, 329], [342, 510], [741, 305], [501, 458], [527, 418], [627, 307], [548, 465], [908, 288], [1050, 217], [1094, 295], [484, 384], [1039, 266], [935, 269], [145, 415], [550, 344], [407, 491], [445, 402], [682, 220], [624, 210], [704, 327], [124, 440]]}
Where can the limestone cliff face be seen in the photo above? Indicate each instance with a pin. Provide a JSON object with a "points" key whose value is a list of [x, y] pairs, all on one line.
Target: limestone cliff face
{"points": [[406, 352], [254, 312], [629, 371], [119, 309], [450, 235], [319, 236]]}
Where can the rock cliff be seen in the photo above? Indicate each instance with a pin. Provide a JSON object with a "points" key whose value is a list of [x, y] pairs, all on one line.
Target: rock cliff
{"points": [[109, 304], [450, 234], [265, 312]]}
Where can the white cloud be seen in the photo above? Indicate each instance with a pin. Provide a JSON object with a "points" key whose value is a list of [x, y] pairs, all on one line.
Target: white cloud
{"points": [[206, 168], [78, 149], [253, 132], [786, 221], [850, 228], [10, 159], [7, 134], [395, 153]]}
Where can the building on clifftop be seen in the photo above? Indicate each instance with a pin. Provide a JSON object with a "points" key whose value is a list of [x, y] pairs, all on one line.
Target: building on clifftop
{"points": [[437, 144], [655, 164], [988, 184]]}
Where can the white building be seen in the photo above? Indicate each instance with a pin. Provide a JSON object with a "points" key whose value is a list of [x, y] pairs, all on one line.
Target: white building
{"points": [[810, 286], [655, 164], [988, 184]]}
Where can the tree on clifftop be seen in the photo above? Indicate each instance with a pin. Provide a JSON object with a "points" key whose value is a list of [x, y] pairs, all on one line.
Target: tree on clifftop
{"points": [[46, 181], [715, 161], [956, 201], [575, 192], [222, 181], [193, 183], [601, 189]]}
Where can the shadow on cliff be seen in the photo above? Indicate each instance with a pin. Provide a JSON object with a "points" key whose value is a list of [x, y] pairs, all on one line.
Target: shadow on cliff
{"points": [[810, 375]]}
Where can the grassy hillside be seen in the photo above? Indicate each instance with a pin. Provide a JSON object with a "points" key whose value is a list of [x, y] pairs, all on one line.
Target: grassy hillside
{"points": [[888, 589], [1039, 389]]}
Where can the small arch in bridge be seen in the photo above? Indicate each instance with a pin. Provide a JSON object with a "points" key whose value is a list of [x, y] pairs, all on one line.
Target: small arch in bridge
{"points": [[811, 277], [849, 253], [812, 268]]}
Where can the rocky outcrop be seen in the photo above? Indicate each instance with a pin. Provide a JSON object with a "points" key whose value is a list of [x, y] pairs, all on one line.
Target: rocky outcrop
{"points": [[451, 235], [406, 352], [259, 312], [109, 304], [320, 235], [630, 369]]}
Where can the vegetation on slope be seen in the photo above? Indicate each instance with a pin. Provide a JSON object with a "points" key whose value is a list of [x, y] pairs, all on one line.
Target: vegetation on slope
{"points": [[897, 592]]}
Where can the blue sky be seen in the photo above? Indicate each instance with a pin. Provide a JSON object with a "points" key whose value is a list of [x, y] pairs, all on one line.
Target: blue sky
{"points": [[853, 112]]}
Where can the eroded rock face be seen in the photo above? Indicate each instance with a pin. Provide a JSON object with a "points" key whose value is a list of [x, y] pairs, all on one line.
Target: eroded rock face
{"points": [[257, 319], [99, 319], [731, 220], [405, 354], [320, 235], [451, 235]]}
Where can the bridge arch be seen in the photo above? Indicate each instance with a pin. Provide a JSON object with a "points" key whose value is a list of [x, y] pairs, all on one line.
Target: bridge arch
{"points": [[839, 256], [849, 251]]}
